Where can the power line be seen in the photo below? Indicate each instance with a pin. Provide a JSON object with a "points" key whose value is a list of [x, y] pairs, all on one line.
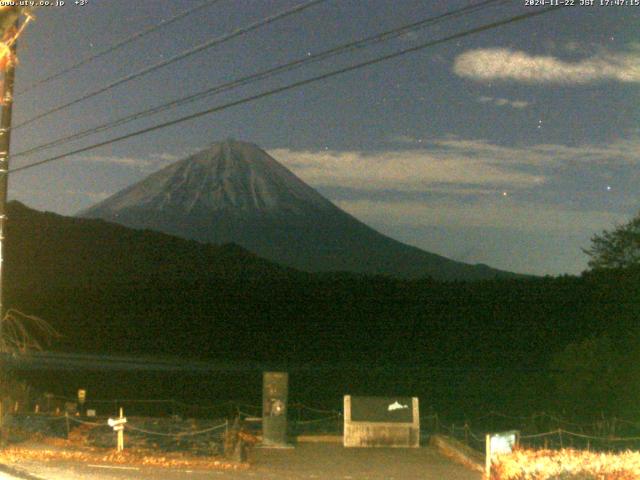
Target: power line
{"points": [[286, 67], [118, 45], [209, 44], [293, 85]]}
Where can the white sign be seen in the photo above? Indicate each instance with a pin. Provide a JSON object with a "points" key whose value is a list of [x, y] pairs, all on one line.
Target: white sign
{"points": [[497, 444], [114, 422], [118, 428], [503, 442]]}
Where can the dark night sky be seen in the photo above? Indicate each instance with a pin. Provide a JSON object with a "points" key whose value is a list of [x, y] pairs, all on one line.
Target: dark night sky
{"points": [[510, 147]]}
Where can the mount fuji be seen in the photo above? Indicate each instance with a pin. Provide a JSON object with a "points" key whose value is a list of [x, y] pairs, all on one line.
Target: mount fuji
{"points": [[234, 192]]}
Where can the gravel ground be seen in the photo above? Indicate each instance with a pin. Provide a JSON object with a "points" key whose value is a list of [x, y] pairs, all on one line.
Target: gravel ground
{"points": [[305, 461]]}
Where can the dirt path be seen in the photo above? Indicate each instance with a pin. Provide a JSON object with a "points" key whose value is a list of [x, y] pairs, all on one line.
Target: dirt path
{"points": [[326, 461]]}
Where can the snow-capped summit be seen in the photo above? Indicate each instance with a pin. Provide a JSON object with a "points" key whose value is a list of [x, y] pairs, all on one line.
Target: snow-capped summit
{"points": [[230, 175]]}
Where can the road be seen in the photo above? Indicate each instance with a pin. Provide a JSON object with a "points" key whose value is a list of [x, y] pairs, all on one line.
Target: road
{"points": [[306, 461]]}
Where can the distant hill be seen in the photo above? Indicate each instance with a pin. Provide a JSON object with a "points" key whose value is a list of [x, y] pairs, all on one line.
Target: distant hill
{"points": [[44, 245], [235, 192], [111, 289]]}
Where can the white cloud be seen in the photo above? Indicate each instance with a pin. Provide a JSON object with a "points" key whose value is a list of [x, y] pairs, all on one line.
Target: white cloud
{"points": [[503, 102], [167, 157], [135, 162], [407, 170], [152, 161], [506, 64], [621, 152], [406, 140], [490, 212], [94, 196], [453, 165]]}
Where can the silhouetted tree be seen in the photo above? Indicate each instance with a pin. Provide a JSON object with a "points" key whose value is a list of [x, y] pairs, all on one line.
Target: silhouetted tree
{"points": [[588, 377], [619, 248]]}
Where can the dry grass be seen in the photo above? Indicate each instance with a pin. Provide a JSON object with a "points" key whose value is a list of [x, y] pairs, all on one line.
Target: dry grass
{"points": [[566, 465], [49, 449]]}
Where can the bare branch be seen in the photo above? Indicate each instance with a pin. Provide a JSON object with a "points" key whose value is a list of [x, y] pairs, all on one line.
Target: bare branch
{"points": [[20, 332]]}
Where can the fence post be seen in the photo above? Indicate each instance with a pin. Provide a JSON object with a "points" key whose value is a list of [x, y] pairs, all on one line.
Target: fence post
{"points": [[437, 423], [560, 435], [66, 417], [466, 433], [121, 433]]}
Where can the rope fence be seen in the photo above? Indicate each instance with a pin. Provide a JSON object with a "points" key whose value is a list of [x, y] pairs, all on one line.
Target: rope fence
{"points": [[332, 419], [320, 420], [83, 422], [540, 429], [176, 434], [167, 434], [154, 406], [579, 435], [559, 437]]}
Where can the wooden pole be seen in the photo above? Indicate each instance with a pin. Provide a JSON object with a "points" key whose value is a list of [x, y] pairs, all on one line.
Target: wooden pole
{"points": [[6, 101], [121, 433], [487, 456]]}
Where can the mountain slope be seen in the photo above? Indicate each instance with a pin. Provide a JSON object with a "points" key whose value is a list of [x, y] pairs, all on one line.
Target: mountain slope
{"points": [[44, 247], [235, 192]]}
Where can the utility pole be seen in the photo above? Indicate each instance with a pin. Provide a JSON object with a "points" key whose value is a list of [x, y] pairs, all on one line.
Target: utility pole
{"points": [[5, 142], [9, 17], [10, 31]]}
